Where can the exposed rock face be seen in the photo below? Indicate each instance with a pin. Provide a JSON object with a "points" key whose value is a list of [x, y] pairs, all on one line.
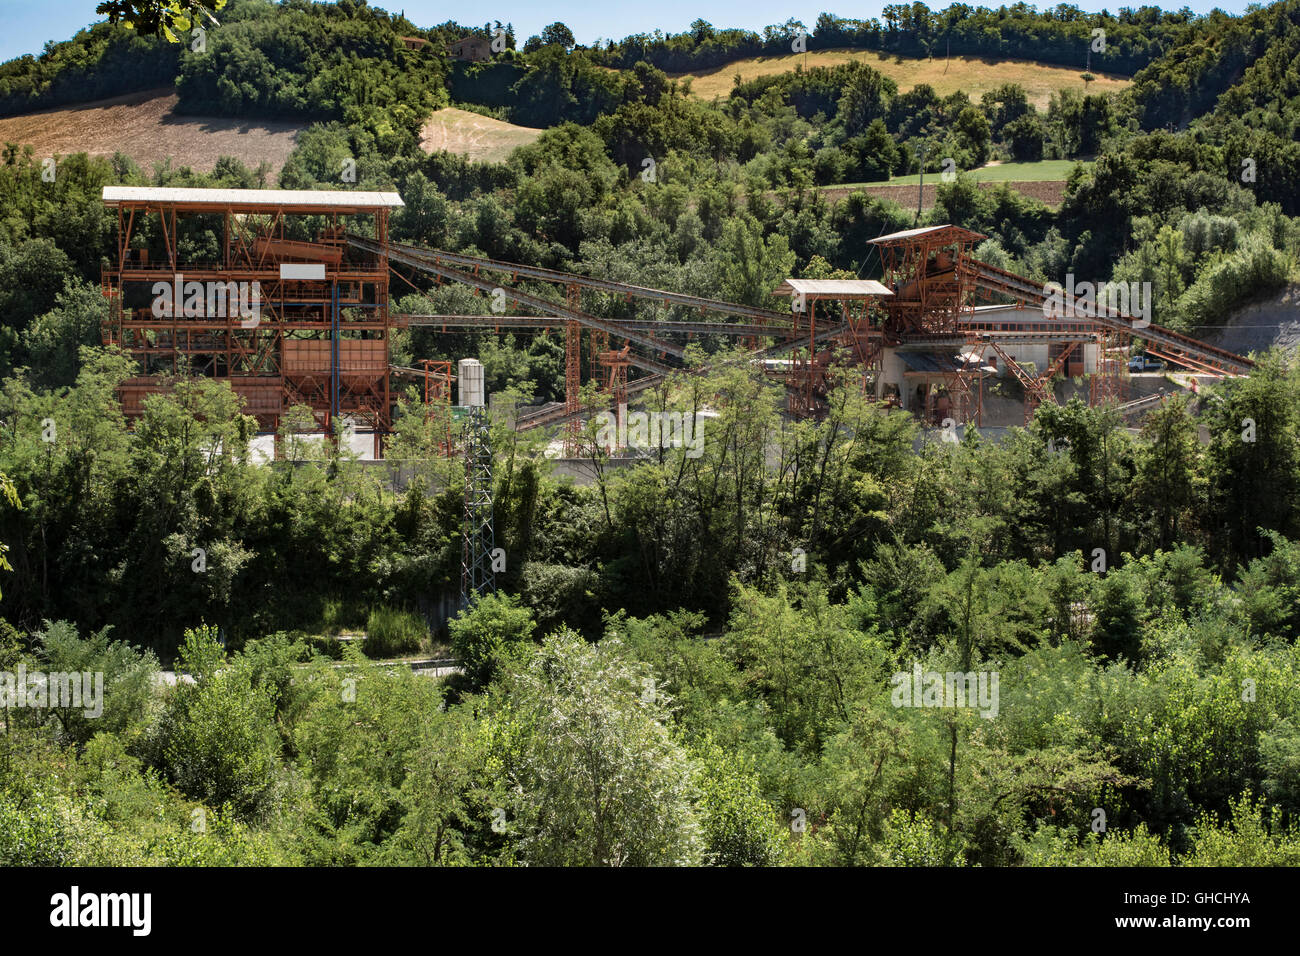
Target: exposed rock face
{"points": [[1272, 321]]}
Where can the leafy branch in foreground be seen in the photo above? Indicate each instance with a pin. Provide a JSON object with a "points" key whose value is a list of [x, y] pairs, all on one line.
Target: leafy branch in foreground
{"points": [[166, 17]]}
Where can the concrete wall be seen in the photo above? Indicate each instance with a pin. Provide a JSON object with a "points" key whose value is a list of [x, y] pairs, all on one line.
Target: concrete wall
{"points": [[583, 472]]}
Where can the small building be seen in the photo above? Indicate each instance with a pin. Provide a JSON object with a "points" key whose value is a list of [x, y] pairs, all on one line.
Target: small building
{"points": [[414, 43], [925, 380], [475, 49]]}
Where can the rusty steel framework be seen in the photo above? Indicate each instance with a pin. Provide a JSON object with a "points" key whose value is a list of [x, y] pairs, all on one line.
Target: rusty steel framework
{"points": [[1107, 386], [614, 364], [965, 386], [322, 332], [937, 279], [316, 330], [1109, 330], [932, 280], [1037, 385], [437, 382], [437, 397], [934, 297], [851, 333], [931, 294]]}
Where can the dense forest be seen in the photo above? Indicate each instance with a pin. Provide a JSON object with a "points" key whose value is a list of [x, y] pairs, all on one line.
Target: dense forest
{"points": [[694, 660], [1060, 35]]}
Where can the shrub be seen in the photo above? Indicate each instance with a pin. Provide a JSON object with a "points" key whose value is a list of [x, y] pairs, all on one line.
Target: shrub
{"points": [[128, 678], [738, 825], [216, 740], [482, 633], [391, 631], [1229, 280]]}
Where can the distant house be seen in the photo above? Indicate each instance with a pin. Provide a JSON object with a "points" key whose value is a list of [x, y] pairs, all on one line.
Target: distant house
{"points": [[473, 48], [415, 43]]}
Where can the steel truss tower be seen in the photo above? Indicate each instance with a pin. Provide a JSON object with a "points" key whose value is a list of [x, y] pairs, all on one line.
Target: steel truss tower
{"points": [[477, 538]]}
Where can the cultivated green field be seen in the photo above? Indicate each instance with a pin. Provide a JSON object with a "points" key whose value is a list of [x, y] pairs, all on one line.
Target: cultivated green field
{"points": [[1048, 170]]}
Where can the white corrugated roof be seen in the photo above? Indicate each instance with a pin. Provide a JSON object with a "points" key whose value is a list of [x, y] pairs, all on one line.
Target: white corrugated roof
{"points": [[326, 198], [912, 233], [832, 288]]}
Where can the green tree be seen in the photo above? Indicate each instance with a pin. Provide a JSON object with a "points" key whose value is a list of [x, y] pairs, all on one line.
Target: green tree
{"points": [[1253, 460], [129, 677], [54, 340], [739, 826], [216, 740], [588, 773], [488, 630], [384, 766], [557, 33], [1168, 481], [750, 266]]}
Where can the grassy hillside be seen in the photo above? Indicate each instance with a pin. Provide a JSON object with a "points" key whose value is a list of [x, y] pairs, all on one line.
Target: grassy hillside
{"points": [[477, 137], [975, 76]]}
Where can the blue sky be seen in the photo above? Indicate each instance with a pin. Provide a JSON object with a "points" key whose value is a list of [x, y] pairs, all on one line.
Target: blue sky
{"points": [[28, 24]]}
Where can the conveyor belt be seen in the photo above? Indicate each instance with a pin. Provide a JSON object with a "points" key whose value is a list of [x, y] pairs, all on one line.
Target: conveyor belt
{"points": [[539, 304], [477, 263], [742, 329], [1166, 343], [556, 413]]}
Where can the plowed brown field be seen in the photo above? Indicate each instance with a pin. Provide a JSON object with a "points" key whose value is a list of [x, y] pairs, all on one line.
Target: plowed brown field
{"points": [[144, 127]]}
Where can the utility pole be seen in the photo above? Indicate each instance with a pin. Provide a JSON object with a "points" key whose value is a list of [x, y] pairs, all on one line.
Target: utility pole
{"points": [[921, 153]]}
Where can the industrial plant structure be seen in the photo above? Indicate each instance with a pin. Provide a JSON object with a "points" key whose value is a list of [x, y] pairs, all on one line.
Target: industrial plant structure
{"points": [[259, 288], [191, 263]]}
